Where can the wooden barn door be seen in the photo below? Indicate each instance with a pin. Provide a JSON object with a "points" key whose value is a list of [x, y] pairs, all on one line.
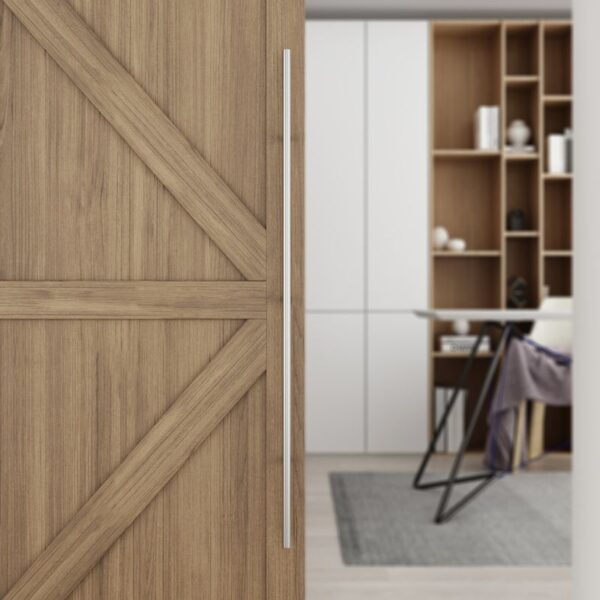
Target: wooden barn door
{"points": [[141, 284]]}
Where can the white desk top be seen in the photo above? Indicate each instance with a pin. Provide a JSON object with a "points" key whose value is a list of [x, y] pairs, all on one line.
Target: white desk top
{"points": [[492, 314]]}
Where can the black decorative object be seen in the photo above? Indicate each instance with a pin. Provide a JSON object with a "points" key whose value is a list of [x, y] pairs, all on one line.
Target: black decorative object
{"points": [[516, 220], [518, 290]]}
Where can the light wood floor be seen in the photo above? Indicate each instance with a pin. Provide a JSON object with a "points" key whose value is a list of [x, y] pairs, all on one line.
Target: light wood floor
{"points": [[329, 579]]}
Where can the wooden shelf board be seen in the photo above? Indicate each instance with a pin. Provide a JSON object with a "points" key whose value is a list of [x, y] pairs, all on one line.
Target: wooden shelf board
{"points": [[558, 253], [466, 254], [556, 24], [522, 234], [557, 99], [465, 153], [521, 25], [466, 27], [525, 156], [521, 80], [557, 176], [463, 355]]}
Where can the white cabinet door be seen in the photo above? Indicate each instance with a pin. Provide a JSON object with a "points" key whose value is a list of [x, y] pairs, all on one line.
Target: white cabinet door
{"points": [[397, 384], [398, 142], [335, 394], [335, 160], [398, 234]]}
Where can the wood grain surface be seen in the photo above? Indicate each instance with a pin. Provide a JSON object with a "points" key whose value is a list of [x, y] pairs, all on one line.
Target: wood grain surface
{"points": [[147, 469], [135, 300], [155, 139], [140, 169]]}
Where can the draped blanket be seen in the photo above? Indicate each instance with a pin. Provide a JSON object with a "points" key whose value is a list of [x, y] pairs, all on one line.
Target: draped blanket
{"points": [[529, 372]]}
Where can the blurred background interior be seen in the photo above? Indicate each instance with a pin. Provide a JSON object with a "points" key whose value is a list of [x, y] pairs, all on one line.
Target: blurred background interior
{"points": [[439, 250]]}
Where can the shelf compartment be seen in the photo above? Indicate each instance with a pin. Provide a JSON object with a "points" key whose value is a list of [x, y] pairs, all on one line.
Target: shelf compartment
{"points": [[447, 373], [557, 118], [557, 428], [466, 72], [558, 276], [466, 201], [522, 191], [522, 261], [523, 103], [557, 59], [467, 282], [558, 216], [441, 328], [522, 42]]}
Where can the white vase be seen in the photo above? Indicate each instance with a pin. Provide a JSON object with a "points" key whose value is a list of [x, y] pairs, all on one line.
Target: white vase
{"points": [[518, 133], [440, 238], [461, 327]]}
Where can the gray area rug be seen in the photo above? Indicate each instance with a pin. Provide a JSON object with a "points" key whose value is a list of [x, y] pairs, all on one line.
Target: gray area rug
{"points": [[522, 519]]}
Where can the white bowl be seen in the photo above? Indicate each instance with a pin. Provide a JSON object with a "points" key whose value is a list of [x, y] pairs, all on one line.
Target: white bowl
{"points": [[456, 245]]}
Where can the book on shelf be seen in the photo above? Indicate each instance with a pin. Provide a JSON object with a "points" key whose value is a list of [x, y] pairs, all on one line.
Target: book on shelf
{"points": [[529, 149], [453, 433], [464, 343]]}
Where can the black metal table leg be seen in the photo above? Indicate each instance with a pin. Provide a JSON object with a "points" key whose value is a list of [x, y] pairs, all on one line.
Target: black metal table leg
{"points": [[441, 425], [443, 513]]}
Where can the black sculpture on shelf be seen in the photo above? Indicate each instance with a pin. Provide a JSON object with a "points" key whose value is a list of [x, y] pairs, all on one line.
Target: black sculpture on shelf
{"points": [[516, 220], [518, 289]]}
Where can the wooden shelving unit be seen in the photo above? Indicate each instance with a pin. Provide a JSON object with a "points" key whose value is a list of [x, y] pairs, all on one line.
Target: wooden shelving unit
{"points": [[525, 68]]}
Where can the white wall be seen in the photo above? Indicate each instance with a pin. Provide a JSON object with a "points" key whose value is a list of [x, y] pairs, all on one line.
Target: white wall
{"points": [[586, 516]]}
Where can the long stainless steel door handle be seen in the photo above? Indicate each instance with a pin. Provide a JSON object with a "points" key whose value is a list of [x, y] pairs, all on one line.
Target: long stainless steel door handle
{"points": [[287, 299]]}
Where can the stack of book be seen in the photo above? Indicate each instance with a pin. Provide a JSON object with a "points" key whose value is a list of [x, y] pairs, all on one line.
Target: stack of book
{"points": [[463, 343], [453, 433]]}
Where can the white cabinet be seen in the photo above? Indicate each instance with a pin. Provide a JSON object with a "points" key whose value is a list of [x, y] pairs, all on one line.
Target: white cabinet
{"points": [[398, 143], [335, 160], [366, 235], [335, 398], [397, 383]]}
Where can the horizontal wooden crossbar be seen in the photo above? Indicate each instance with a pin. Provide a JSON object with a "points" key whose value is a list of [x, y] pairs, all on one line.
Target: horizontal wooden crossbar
{"points": [[148, 131], [133, 300], [147, 469]]}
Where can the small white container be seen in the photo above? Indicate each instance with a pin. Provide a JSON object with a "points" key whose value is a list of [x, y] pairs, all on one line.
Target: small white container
{"points": [[461, 327], [457, 245], [557, 154], [518, 134], [440, 238], [487, 128]]}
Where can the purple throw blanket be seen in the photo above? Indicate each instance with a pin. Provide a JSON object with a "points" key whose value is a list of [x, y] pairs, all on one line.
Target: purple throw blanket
{"points": [[530, 372]]}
